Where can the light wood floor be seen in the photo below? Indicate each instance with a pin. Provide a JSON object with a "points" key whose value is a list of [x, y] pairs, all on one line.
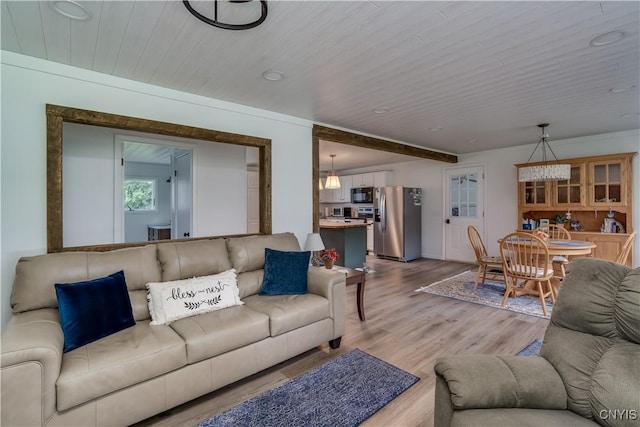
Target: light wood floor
{"points": [[405, 328]]}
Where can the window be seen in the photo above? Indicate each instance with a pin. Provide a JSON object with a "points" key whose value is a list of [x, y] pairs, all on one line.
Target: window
{"points": [[139, 194]]}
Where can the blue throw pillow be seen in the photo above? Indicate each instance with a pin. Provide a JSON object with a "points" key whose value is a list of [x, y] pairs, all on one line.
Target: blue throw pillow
{"points": [[285, 273], [93, 309]]}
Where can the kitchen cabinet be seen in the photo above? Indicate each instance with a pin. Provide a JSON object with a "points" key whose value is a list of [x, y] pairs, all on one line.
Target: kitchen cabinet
{"points": [[372, 179], [343, 194], [608, 245], [337, 195], [362, 180], [347, 182], [599, 187]]}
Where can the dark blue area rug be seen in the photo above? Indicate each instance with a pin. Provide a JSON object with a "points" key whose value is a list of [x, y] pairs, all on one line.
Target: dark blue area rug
{"points": [[532, 349], [343, 392]]}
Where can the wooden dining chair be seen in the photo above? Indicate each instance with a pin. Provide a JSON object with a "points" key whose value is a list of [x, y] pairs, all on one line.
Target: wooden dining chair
{"points": [[525, 258], [490, 266], [626, 249], [558, 262]]}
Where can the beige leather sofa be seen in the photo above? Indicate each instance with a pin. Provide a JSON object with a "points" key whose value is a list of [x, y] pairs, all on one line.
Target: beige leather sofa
{"points": [[587, 373], [144, 370]]}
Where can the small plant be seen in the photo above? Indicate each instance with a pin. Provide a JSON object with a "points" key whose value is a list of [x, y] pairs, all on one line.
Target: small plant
{"points": [[560, 219], [330, 254]]}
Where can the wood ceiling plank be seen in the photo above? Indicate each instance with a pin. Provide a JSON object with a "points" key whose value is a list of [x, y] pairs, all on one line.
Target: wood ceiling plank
{"points": [[28, 27]]}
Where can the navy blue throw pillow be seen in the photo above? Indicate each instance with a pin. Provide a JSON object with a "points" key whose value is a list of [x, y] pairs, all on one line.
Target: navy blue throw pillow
{"points": [[285, 273], [93, 309]]}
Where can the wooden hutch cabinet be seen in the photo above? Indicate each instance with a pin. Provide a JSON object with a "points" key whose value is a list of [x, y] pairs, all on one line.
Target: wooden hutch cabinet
{"points": [[599, 187]]}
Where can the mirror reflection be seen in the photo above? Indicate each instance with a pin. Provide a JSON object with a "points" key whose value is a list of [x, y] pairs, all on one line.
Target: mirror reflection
{"points": [[126, 188], [113, 184]]}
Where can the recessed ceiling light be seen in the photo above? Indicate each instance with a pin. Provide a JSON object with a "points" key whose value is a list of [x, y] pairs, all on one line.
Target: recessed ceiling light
{"points": [[472, 141], [626, 116], [621, 89], [435, 129], [380, 110], [273, 75], [71, 9], [607, 38]]}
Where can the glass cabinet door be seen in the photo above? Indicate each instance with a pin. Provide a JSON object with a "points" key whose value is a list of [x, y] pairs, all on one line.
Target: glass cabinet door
{"points": [[606, 183], [535, 194], [570, 192]]}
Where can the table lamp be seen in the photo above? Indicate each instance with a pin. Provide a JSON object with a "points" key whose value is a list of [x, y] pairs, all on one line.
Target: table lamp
{"points": [[314, 243]]}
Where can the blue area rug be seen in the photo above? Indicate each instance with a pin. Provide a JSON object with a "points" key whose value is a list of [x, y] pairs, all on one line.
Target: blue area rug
{"points": [[532, 349], [489, 293], [343, 392]]}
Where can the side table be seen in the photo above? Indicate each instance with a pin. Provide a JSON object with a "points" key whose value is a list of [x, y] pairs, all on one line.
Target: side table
{"points": [[357, 277]]}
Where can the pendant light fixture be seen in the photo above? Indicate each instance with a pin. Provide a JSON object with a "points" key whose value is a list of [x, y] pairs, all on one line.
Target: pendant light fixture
{"points": [[547, 170], [332, 181], [216, 23], [320, 186]]}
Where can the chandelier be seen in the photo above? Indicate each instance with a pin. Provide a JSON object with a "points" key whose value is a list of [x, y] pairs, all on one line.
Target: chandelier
{"points": [[332, 181], [216, 23], [547, 170]]}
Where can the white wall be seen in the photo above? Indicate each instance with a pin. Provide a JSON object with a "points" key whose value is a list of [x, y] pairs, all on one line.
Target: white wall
{"points": [[29, 83]]}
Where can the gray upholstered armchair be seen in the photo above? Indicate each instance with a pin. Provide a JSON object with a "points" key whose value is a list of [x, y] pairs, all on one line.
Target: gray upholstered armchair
{"points": [[587, 373]]}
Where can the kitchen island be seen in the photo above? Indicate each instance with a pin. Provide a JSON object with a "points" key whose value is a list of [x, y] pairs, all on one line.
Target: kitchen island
{"points": [[348, 238]]}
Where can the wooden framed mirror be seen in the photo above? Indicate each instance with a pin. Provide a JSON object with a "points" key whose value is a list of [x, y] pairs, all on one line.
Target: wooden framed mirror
{"points": [[59, 116]]}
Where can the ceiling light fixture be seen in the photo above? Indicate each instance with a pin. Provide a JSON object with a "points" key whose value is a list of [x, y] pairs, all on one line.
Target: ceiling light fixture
{"points": [[71, 9], [216, 23], [607, 38], [627, 115], [547, 171], [435, 129], [320, 186], [380, 110], [332, 181], [273, 75]]}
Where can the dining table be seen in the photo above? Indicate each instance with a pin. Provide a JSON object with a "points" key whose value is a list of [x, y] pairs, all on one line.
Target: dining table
{"points": [[565, 248]]}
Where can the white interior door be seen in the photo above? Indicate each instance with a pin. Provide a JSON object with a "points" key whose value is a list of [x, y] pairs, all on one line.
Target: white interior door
{"points": [[464, 196]]}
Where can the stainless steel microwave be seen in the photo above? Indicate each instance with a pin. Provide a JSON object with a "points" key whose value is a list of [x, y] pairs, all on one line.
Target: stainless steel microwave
{"points": [[362, 195]]}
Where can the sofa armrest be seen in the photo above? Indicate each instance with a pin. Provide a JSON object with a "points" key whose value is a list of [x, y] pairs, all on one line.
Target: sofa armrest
{"points": [[488, 381], [31, 359], [331, 285]]}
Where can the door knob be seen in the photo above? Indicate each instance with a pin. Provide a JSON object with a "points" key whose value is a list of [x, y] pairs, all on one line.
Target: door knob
{"points": [[448, 221]]}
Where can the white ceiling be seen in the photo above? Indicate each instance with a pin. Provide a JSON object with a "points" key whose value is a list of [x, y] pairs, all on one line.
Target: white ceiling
{"points": [[484, 72]]}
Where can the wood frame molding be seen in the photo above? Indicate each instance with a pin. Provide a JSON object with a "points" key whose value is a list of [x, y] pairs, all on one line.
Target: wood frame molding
{"points": [[357, 140], [57, 115]]}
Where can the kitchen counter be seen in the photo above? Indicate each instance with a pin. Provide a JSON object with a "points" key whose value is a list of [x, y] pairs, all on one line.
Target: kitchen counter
{"points": [[340, 224], [348, 238]]}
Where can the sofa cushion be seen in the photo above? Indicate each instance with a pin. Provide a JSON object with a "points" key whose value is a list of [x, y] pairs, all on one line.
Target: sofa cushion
{"points": [[35, 276], [181, 260], [210, 334], [93, 309], [285, 272], [247, 253], [176, 299], [289, 312], [125, 358]]}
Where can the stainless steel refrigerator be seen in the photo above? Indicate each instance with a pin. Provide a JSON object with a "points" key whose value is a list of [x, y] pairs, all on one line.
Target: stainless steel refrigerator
{"points": [[397, 223]]}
